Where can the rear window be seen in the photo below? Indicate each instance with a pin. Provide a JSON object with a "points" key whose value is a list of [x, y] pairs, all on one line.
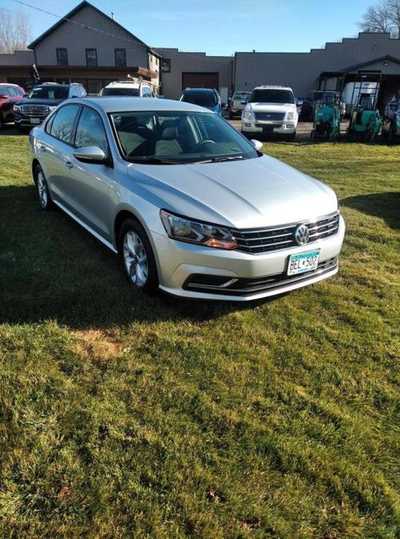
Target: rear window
{"points": [[203, 99], [8, 91], [272, 96], [49, 92], [127, 92]]}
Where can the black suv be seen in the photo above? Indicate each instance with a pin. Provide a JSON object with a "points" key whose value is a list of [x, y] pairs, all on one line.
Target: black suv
{"points": [[42, 100]]}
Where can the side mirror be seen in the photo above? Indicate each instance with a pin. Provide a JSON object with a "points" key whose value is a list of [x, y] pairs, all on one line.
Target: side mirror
{"points": [[257, 144], [91, 154]]}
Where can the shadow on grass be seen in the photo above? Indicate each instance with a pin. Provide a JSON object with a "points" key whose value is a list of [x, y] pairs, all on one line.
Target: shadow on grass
{"points": [[383, 205], [11, 130], [52, 269]]}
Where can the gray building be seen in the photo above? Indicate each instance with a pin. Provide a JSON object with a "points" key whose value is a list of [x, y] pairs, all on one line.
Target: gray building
{"points": [[195, 69], [325, 67], [90, 47], [85, 46]]}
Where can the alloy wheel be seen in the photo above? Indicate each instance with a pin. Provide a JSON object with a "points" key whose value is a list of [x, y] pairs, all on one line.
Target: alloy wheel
{"points": [[42, 190], [135, 259]]}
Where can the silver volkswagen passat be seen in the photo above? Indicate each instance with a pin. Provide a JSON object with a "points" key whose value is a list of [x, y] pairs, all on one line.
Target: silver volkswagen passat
{"points": [[191, 206]]}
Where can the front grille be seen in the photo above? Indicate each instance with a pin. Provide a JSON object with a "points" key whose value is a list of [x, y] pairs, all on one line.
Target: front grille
{"points": [[270, 116], [260, 240], [217, 284], [35, 110]]}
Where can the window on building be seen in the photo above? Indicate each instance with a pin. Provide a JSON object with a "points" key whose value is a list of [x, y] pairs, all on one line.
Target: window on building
{"points": [[90, 130], [120, 57], [91, 57], [62, 57], [166, 65]]}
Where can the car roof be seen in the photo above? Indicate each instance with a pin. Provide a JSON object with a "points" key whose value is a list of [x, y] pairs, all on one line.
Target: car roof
{"points": [[273, 87], [199, 90], [128, 104]]}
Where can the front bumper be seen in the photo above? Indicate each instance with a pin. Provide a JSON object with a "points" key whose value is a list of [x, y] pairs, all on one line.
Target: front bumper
{"points": [[264, 128], [236, 275], [23, 120]]}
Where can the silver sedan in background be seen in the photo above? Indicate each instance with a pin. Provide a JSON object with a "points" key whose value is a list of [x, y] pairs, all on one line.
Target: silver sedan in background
{"points": [[191, 206]]}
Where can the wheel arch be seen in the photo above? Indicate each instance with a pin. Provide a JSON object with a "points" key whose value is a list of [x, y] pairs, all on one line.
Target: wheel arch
{"points": [[122, 215]]}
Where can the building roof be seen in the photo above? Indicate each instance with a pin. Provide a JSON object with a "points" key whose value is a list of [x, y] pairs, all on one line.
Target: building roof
{"points": [[360, 67], [76, 10]]}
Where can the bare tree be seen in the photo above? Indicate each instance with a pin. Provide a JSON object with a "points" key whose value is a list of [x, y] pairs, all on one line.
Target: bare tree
{"points": [[393, 7], [377, 19], [15, 30]]}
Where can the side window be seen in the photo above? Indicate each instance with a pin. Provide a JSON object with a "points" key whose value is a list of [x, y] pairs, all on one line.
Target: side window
{"points": [[90, 130], [62, 126], [146, 91]]}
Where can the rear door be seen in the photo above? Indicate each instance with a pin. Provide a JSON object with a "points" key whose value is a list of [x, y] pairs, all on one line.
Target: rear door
{"points": [[55, 151]]}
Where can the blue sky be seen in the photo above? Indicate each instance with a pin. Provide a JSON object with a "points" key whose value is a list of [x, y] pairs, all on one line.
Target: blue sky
{"points": [[223, 26]]}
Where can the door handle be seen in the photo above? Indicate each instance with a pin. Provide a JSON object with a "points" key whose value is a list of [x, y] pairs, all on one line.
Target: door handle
{"points": [[68, 164]]}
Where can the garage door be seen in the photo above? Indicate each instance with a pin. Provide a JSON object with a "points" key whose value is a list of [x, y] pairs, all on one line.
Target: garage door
{"points": [[200, 80]]}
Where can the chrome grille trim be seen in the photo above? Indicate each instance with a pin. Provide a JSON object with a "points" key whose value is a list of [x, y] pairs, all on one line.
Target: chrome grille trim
{"points": [[260, 240], [270, 116], [35, 110]]}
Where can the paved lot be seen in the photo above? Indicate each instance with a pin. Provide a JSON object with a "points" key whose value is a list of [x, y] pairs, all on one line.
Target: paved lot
{"points": [[303, 129]]}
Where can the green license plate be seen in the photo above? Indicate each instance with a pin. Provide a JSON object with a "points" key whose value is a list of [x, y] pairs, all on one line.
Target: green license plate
{"points": [[303, 262]]}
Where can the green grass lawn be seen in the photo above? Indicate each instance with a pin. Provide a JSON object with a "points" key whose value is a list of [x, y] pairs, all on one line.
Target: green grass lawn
{"points": [[125, 416]]}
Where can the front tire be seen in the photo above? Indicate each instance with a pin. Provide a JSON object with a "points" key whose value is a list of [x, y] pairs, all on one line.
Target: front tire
{"points": [[42, 189], [137, 257]]}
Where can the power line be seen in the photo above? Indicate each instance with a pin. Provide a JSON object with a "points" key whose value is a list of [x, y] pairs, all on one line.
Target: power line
{"points": [[80, 24]]}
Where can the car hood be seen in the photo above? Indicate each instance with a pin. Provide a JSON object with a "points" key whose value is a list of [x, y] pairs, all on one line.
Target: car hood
{"points": [[242, 194], [272, 107], [46, 102]]}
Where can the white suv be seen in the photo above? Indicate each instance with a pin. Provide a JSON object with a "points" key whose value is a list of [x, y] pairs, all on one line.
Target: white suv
{"points": [[129, 88], [271, 110]]}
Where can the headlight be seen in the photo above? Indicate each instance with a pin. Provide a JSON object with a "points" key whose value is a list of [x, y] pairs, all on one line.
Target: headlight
{"points": [[189, 231], [248, 116], [290, 116], [16, 108]]}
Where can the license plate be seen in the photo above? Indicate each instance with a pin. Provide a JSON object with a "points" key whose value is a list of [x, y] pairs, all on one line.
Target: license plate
{"points": [[303, 262], [36, 121]]}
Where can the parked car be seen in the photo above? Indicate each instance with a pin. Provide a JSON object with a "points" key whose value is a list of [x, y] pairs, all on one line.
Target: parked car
{"points": [[129, 88], [42, 100], [10, 94], [271, 110], [192, 207], [204, 97], [237, 103]]}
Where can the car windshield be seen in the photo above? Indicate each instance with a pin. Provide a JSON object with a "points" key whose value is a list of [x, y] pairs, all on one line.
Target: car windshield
{"points": [[203, 99], [272, 96], [127, 92], [49, 92], [168, 137], [6, 90]]}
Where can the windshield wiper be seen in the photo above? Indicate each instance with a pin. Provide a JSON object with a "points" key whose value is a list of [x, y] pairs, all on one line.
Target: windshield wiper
{"points": [[221, 158], [154, 161]]}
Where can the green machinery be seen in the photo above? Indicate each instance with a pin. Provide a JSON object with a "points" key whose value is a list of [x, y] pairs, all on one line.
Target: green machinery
{"points": [[327, 114], [365, 119], [391, 123]]}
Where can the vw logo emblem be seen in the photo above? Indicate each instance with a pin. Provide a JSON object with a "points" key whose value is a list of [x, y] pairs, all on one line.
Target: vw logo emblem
{"points": [[302, 235]]}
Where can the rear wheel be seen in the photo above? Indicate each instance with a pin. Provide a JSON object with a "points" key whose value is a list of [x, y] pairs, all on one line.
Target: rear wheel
{"points": [[137, 256], [42, 189]]}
